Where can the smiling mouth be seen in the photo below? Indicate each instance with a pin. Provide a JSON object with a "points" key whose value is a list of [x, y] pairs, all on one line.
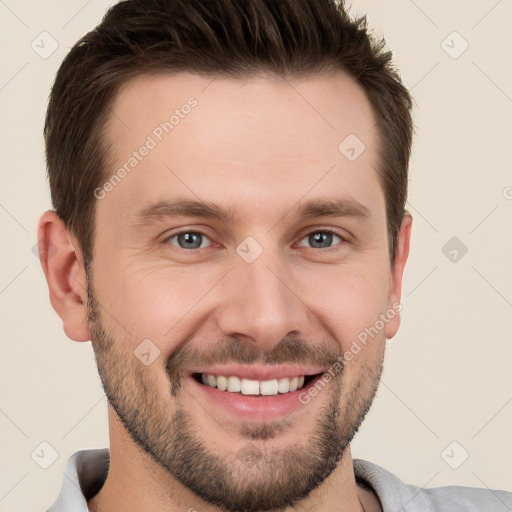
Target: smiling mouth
{"points": [[241, 386]]}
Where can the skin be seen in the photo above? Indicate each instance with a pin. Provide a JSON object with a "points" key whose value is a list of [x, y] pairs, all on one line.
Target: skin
{"points": [[261, 146]]}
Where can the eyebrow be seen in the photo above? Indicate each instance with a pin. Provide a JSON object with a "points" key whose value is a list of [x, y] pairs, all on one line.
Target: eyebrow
{"points": [[165, 209], [182, 208], [333, 208]]}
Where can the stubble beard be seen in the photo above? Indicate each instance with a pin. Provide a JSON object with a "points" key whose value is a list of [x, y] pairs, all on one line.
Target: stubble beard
{"points": [[257, 477]]}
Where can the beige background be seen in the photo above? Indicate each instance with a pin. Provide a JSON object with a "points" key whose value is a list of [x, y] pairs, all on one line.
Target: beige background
{"points": [[447, 375]]}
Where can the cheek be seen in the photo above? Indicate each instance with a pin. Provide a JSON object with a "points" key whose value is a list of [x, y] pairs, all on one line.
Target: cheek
{"points": [[348, 302], [157, 302]]}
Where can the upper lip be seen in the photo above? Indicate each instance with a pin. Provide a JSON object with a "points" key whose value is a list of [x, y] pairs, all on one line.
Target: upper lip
{"points": [[260, 372]]}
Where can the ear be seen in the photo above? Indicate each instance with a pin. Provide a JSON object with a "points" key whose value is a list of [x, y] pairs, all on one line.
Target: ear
{"points": [[63, 268], [395, 291]]}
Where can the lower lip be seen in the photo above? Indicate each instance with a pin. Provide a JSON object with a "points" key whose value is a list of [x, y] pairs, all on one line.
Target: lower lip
{"points": [[254, 407]]}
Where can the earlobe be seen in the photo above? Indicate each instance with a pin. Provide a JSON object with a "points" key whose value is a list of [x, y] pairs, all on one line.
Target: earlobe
{"points": [[395, 293], [63, 268]]}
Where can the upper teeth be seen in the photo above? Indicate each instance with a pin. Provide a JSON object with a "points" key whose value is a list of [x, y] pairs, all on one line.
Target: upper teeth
{"points": [[253, 387]]}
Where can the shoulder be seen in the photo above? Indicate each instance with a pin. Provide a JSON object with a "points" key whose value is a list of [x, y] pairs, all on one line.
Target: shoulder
{"points": [[473, 499], [396, 495]]}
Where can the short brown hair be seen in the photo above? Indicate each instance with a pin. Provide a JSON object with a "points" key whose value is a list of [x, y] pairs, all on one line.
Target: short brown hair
{"points": [[236, 38]]}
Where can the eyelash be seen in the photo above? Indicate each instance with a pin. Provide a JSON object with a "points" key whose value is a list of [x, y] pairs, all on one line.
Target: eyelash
{"points": [[329, 231]]}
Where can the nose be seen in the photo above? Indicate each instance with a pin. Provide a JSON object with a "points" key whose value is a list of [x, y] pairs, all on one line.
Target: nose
{"points": [[259, 303]]}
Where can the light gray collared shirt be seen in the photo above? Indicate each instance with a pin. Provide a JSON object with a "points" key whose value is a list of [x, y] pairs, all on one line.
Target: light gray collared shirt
{"points": [[86, 472]]}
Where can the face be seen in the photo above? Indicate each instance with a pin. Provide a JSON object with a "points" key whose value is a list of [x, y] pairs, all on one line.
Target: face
{"points": [[242, 249]]}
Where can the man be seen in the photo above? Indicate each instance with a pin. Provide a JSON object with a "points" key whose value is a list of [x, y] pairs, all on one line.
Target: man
{"points": [[229, 182]]}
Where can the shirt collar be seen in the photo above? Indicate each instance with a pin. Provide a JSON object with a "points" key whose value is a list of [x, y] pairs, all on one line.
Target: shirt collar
{"points": [[84, 475]]}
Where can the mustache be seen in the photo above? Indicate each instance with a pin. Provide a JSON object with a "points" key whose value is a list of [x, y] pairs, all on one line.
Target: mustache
{"points": [[231, 350]]}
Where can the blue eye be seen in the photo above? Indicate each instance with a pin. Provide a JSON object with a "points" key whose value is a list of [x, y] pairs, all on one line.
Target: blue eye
{"points": [[189, 240], [321, 239]]}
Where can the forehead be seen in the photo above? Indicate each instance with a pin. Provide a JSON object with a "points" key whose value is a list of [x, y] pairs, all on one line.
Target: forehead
{"points": [[256, 138], [331, 104]]}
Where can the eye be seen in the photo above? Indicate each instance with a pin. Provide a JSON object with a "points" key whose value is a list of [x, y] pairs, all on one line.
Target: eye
{"points": [[189, 240], [320, 239]]}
